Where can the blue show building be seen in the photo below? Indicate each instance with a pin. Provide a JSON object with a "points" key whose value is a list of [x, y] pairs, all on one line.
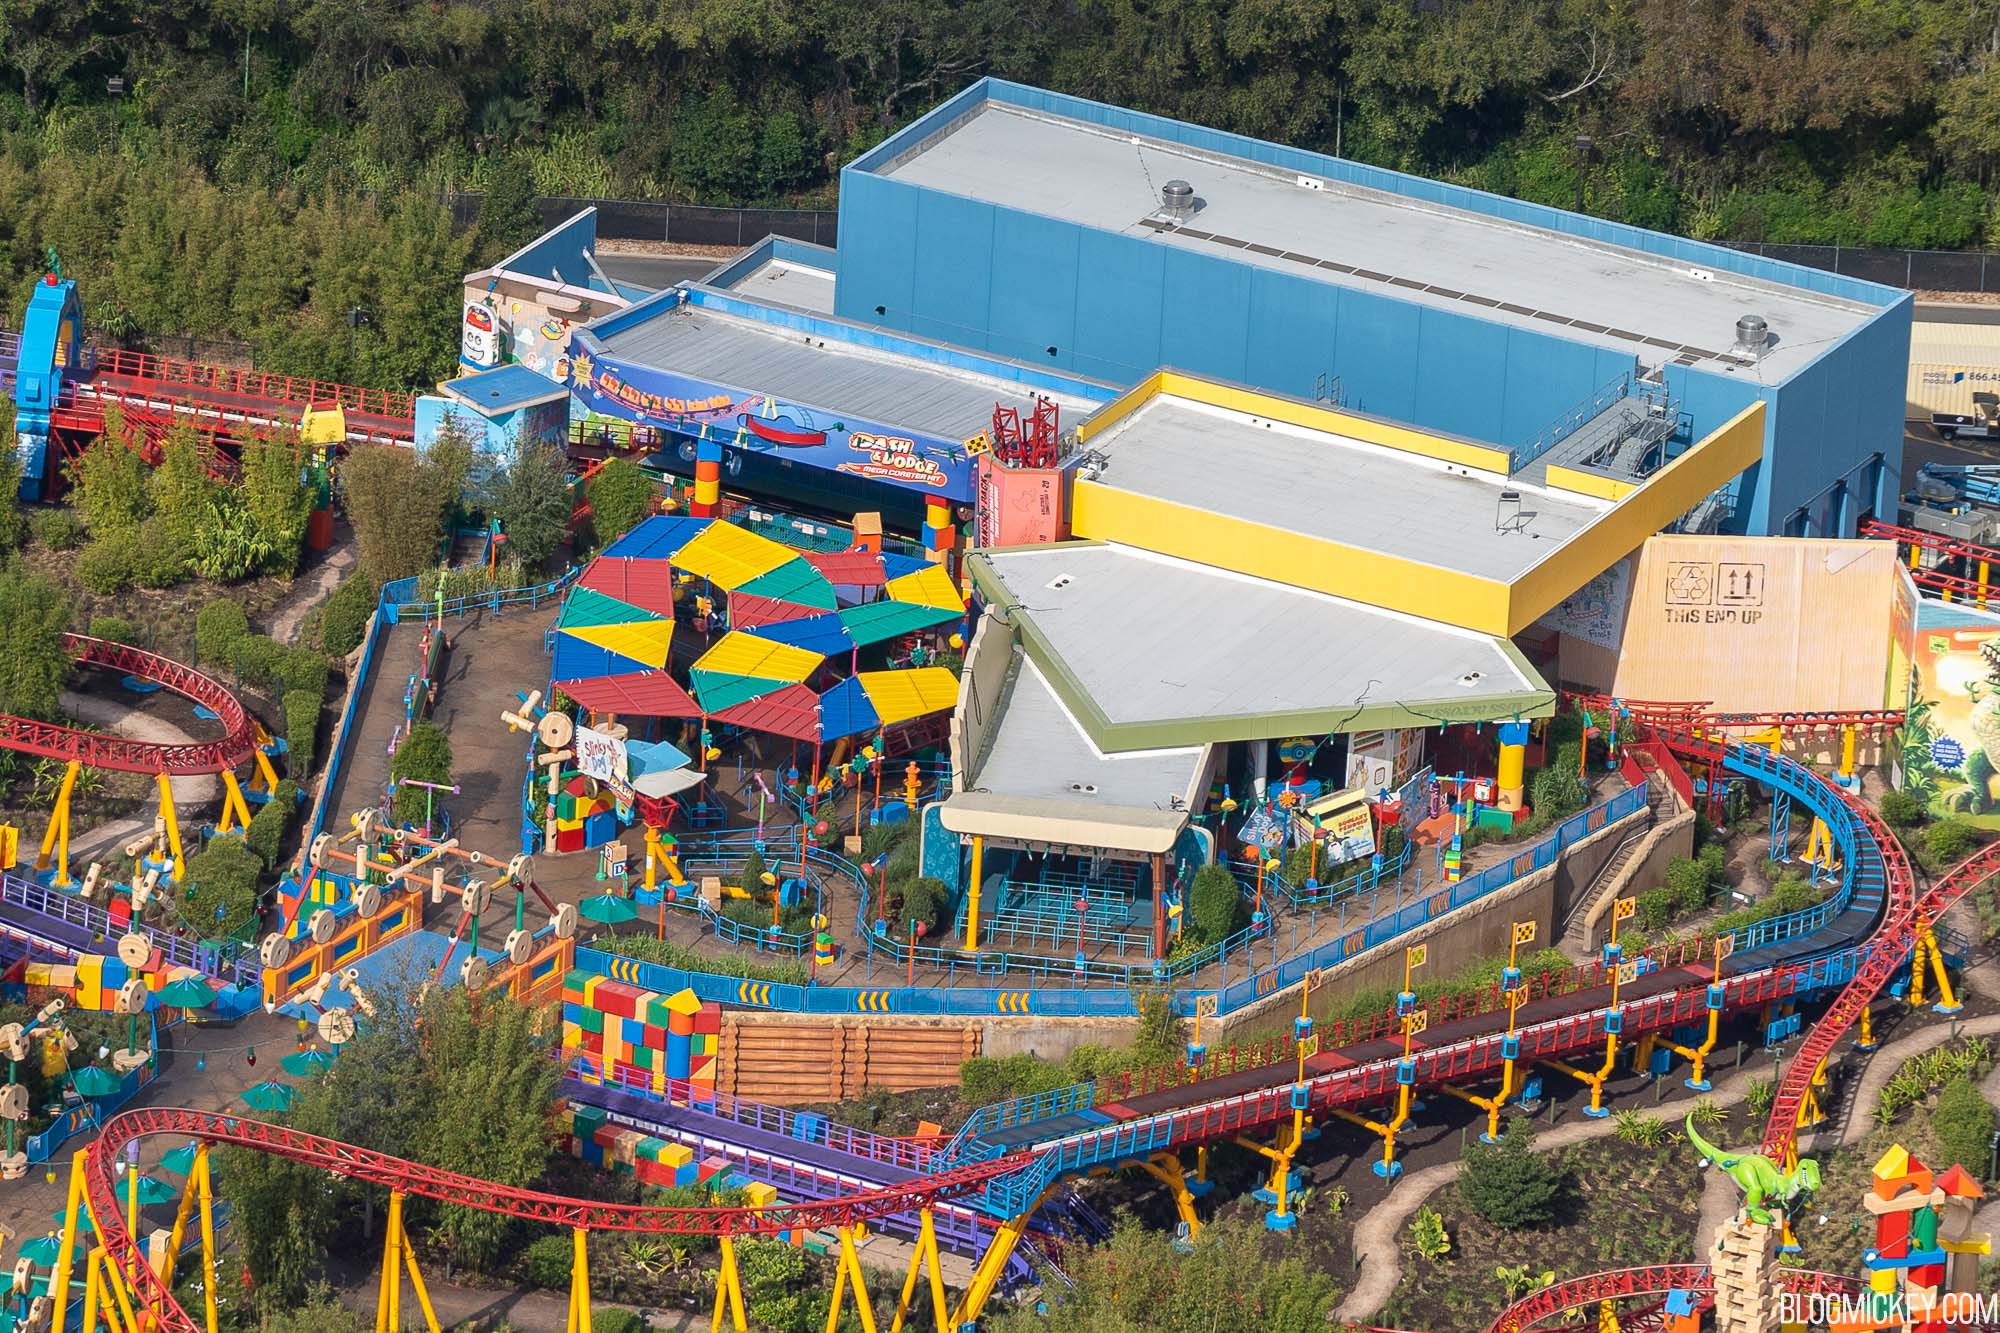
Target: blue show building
{"points": [[1105, 243]]}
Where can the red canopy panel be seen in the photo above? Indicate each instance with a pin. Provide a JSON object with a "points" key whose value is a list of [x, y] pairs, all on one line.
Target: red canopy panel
{"points": [[849, 569], [747, 610], [633, 694], [792, 712], [645, 583]]}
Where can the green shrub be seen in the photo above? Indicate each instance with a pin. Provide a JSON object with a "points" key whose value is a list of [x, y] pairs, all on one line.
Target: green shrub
{"points": [[1508, 1183], [548, 1262], [616, 1319], [59, 529], [670, 953], [217, 627], [924, 899], [222, 880], [620, 495], [343, 620], [1950, 841], [116, 629], [751, 880], [301, 670], [1964, 1124], [1689, 882], [256, 659], [110, 564], [985, 1078], [1392, 841], [1556, 790], [1792, 893], [1215, 904], [301, 732], [1653, 909], [266, 834], [425, 755], [161, 562], [1900, 810]]}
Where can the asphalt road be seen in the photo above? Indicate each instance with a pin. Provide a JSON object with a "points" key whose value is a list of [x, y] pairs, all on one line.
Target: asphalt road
{"points": [[1921, 445], [652, 271]]}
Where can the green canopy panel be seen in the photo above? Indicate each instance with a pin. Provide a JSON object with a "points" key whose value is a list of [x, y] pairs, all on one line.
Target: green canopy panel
{"points": [[887, 620], [585, 608], [717, 690], [796, 582]]}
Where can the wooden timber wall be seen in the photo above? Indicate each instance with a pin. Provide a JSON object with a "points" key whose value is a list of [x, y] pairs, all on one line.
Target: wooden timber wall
{"points": [[787, 1063]]}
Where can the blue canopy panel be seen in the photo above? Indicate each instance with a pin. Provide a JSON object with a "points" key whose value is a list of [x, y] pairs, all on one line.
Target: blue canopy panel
{"points": [[845, 710], [895, 566], [576, 660], [659, 537], [825, 635]]}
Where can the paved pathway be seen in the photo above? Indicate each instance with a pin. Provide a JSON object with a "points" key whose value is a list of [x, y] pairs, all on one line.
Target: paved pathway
{"points": [[118, 715], [308, 592]]}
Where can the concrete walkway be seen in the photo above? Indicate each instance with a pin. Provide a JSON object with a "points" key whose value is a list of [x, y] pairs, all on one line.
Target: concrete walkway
{"points": [[310, 591]]}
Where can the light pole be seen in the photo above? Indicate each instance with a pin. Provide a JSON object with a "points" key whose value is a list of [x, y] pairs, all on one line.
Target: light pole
{"points": [[1586, 153]]}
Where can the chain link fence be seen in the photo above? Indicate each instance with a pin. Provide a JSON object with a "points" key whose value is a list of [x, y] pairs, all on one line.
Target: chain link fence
{"points": [[1920, 270], [686, 224]]}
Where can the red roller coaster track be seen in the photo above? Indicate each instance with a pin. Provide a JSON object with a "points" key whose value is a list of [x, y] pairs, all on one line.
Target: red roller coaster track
{"points": [[346, 1160], [1904, 915], [237, 743]]}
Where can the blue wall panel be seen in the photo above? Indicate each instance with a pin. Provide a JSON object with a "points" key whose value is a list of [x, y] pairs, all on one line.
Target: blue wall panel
{"points": [[1461, 374], [1034, 297], [1293, 327], [1118, 329], [874, 265], [1375, 352], [1205, 314], [950, 298]]}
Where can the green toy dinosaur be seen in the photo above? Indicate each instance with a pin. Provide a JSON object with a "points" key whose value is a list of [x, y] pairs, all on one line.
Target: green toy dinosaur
{"points": [[1759, 1177]]}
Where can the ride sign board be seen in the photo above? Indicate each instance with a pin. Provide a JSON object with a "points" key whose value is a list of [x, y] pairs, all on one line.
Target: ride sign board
{"points": [[601, 755], [755, 423]]}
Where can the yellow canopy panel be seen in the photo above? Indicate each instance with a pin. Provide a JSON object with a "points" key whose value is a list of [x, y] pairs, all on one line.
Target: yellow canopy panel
{"points": [[644, 641], [927, 587], [899, 696], [729, 556], [741, 654]]}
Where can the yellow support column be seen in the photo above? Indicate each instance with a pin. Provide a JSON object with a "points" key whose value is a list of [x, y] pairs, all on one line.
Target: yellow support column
{"points": [[729, 1291], [417, 1285], [173, 827], [972, 896], [235, 806], [1165, 1167], [1917, 951], [387, 1295], [991, 1265], [207, 1239], [849, 1271], [57, 840], [59, 1284], [1947, 1002], [92, 1292], [923, 1262], [579, 1284]]}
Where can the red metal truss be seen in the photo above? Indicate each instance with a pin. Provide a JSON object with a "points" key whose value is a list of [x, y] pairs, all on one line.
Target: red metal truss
{"points": [[1703, 714], [198, 380], [1936, 543], [94, 750], [413, 1178]]}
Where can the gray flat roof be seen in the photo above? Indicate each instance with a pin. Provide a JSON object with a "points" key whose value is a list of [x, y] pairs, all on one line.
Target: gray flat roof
{"points": [[889, 388], [1424, 253], [1150, 651], [1038, 749], [788, 282], [1320, 484]]}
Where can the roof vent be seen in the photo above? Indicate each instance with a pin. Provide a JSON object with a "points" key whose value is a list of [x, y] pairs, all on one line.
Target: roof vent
{"points": [[1753, 336], [1177, 199]]}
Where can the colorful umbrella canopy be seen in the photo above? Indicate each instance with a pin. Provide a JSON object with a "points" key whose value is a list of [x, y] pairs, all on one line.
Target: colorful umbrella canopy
{"points": [[607, 909], [876, 621], [47, 1249], [744, 666], [179, 1160], [304, 1064], [646, 583], [796, 582], [635, 694], [93, 1081], [618, 628], [186, 993], [729, 557], [269, 1095], [83, 1227], [152, 1190], [929, 586]]}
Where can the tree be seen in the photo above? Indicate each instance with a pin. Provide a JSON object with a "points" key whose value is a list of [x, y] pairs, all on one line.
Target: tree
{"points": [[424, 755], [1226, 1283], [620, 495], [183, 493], [1215, 903], [1964, 1124], [508, 218], [111, 482], [397, 503], [532, 503], [1508, 1183], [36, 665], [222, 877], [276, 497]]}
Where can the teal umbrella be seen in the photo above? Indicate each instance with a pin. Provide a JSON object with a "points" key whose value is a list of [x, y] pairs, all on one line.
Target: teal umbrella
{"points": [[152, 1190], [94, 1081], [46, 1249], [269, 1096], [608, 909], [187, 993], [179, 1160], [83, 1227], [304, 1064]]}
